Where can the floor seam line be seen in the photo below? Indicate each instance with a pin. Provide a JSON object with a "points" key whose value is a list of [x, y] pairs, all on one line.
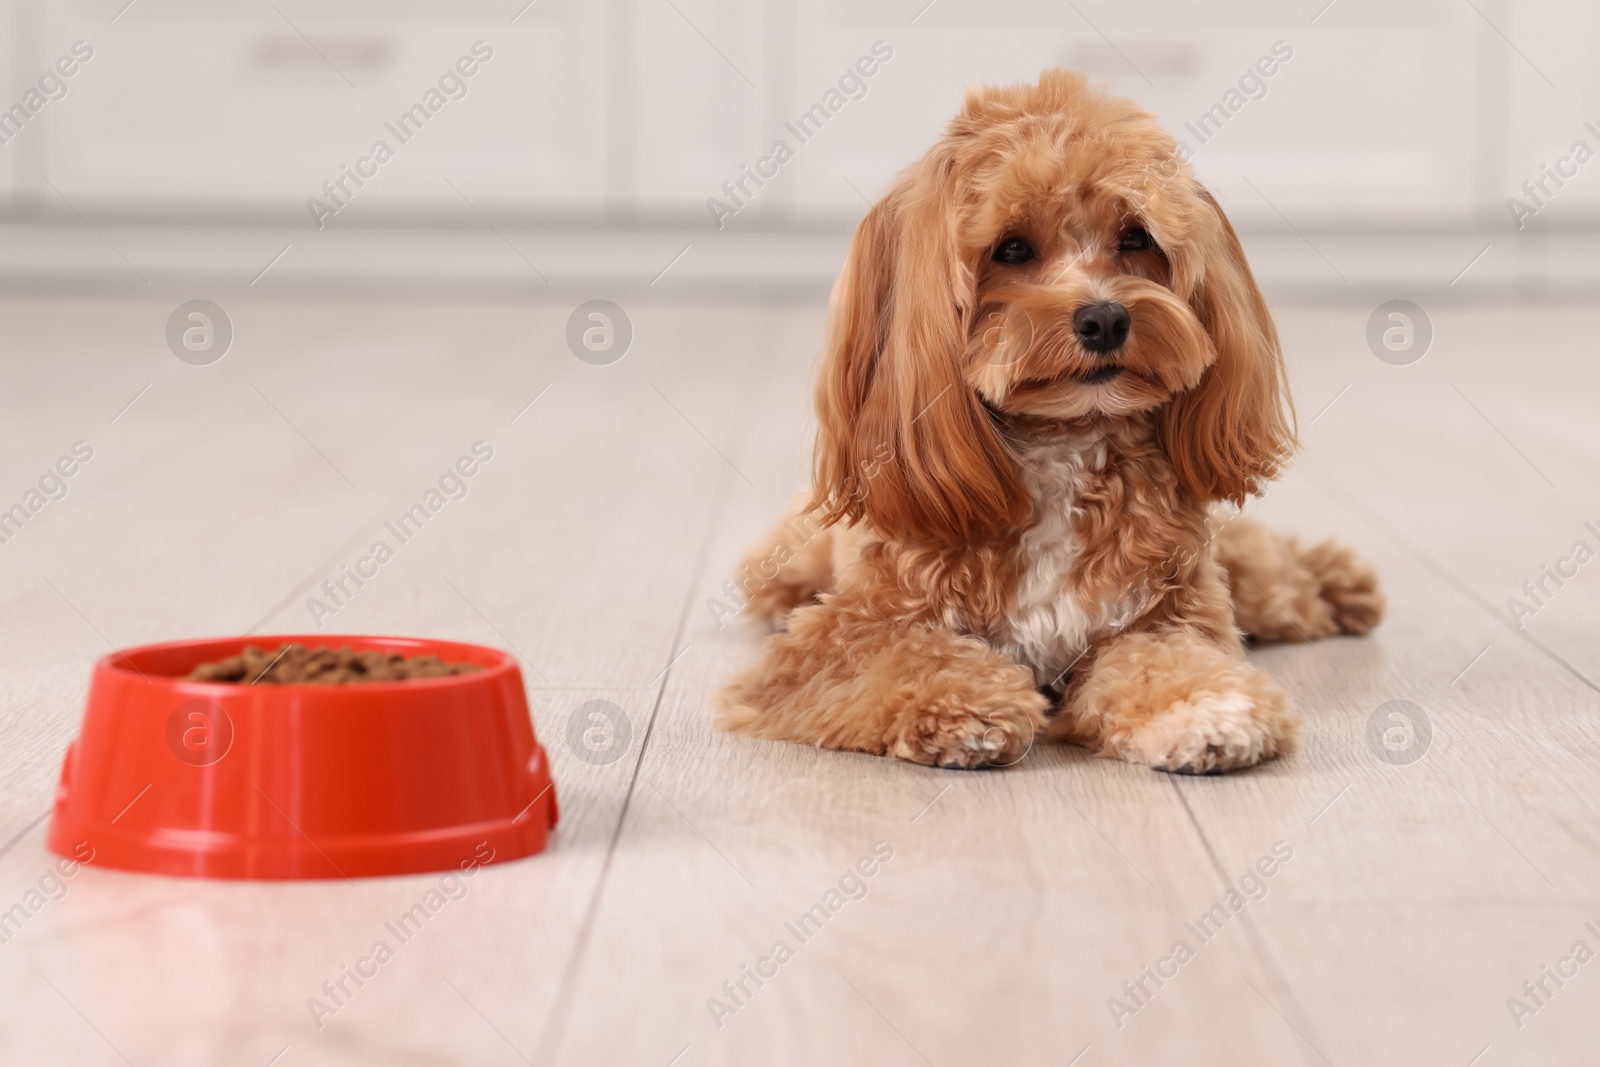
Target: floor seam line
{"points": [[1258, 946], [1331, 487], [555, 1024], [24, 832]]}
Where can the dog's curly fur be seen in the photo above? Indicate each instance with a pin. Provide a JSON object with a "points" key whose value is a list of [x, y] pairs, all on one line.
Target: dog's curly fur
{"points": [[1012, 532]]}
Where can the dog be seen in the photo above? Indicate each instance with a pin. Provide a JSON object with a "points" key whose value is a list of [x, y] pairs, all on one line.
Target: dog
{"points": [[1048, 372]]}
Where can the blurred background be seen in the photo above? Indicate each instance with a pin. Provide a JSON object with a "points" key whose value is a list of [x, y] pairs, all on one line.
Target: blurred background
{"points": [[394, 221], [581, 152]]}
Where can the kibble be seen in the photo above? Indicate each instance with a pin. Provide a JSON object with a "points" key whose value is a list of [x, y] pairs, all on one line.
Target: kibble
{"points": [[295, 664]]}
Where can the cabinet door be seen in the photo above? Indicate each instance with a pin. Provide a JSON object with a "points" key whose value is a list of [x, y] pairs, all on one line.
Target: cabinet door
{"points": [[1371, 116], [233, 105], [1552, 89], [697, 87], [910, 96], [1374, 119], [19, 153]]}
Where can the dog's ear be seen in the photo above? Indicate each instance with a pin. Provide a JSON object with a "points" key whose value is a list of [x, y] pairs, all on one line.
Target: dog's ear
{"points": [[902, 441], [1228, 435]]}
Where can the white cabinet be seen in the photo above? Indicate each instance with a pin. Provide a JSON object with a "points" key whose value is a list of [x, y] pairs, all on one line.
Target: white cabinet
{"points": [[912, 95], [1379, 112], [1368, 114], [1552, 86], [19, 152], [232, 106], [1374, 120], [695, 91]]}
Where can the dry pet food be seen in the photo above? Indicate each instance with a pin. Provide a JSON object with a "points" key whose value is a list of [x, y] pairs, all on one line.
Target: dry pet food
{"points": [[296, 664]]}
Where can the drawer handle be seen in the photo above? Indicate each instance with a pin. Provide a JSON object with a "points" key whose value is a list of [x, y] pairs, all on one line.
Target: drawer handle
{"points": [[343, 50]]}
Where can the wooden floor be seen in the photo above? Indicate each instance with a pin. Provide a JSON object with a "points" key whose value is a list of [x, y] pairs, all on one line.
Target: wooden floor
{"points": [[1417, 899]]}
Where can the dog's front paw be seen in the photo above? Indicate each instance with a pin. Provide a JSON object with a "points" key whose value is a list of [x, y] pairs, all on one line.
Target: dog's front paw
{"points": [[1209, 733], [951, 732], [1179, 703]]}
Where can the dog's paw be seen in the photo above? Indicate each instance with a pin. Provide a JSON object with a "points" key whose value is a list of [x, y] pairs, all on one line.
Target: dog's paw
{"points": [[1179, 703], [994, 735], [1210, 733]]}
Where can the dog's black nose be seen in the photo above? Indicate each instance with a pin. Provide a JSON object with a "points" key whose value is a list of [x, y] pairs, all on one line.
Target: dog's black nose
{"points": [[1101, 327]]}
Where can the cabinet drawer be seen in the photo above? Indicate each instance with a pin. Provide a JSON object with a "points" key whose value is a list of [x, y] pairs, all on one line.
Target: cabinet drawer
{"points": [[229, 104], [1367, 116]]}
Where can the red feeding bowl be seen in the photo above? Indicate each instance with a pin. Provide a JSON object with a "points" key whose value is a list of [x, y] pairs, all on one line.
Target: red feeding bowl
{"points": [[226, 780]]}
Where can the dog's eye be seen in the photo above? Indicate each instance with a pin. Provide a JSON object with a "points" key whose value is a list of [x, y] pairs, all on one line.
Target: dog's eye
{"points": [[1013, 251], [1135, 239]]}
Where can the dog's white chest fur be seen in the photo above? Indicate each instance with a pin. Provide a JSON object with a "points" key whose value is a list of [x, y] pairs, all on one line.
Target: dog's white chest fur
{"points": [[1049, 627]]}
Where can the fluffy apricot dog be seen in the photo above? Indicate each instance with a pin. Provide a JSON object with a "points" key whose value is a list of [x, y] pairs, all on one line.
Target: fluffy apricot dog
{"points": [[1047, 364]]}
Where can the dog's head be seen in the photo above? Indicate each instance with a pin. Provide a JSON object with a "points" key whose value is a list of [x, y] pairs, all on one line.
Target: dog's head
{"points": [[1052, 256]]}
